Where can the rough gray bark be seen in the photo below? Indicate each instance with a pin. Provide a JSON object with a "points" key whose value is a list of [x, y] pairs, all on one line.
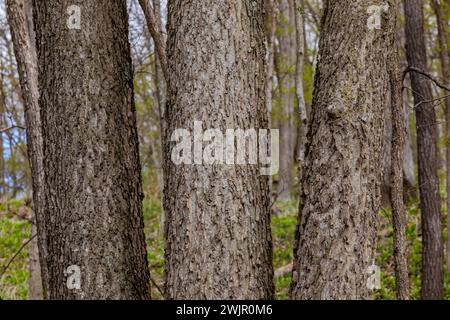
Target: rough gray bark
{"points": [[399, 216], [218, 240], [23, 37], [444, 52], [35, 290], [92, 185], [286, 63], [336, 236], [427, 153]]}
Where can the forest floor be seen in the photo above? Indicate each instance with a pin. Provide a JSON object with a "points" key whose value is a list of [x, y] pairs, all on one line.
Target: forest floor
{"points": [[14, 231]]}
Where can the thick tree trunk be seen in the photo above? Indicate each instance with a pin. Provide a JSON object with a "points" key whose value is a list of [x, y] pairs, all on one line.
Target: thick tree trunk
{"points": [[444, 52], [432, 244], [286, 61], [336, 236], [218, 240], [92, 186], [23, 37]]}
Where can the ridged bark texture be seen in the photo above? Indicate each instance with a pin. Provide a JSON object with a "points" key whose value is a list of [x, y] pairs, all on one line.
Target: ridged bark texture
{"points": [[336, 237], [218, 240], [92, 186]]}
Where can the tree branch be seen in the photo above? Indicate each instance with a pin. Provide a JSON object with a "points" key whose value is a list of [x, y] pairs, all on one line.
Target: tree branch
{"points": [[12, 127], [429, 76], [158, 36], [157, 286], [16, 254]]}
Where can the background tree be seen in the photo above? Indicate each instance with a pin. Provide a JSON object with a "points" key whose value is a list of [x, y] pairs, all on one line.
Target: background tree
{"points": [[285, 67], [427, 153], [23, 37], [442, 11], [399, 215]]}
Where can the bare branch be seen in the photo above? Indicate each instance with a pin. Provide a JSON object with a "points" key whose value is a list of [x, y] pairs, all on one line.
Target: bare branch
{"points": [[283, 271], [158, 36], [157, 286], [429, 76], [11, 128], [15, 255]]}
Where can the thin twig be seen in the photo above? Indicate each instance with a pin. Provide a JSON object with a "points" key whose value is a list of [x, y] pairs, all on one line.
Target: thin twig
{"points": [[16, 254], [12, 127], [429, 76], [432, 100], [157, 287]]}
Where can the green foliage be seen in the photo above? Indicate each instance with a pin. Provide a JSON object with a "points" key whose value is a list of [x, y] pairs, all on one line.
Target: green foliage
{"points": [[386, 251], [283, 230], [155, 243], [13, 232]]}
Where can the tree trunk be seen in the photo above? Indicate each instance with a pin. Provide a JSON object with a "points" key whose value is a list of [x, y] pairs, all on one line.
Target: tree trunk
{"points": [[399, 217], [409, 173], [161, 92], [432, 245], [218, 240], [336, 236], [2, 159], [154, 27], [35, 291], [286, 64], [445, 67], [271, 24], [301, 105], [23, 37], [92, 190]]}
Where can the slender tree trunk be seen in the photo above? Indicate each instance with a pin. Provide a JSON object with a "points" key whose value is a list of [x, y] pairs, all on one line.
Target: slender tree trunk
{"points": [[445, 67], [93, 213], [154, 27], [336, 237], [286, 64], [161, 92], [218, 240], [432, 244], [409, 173], [271, 24], [2, 154], [399, 217], [301, 105], [35, 290], [23, 37]]}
